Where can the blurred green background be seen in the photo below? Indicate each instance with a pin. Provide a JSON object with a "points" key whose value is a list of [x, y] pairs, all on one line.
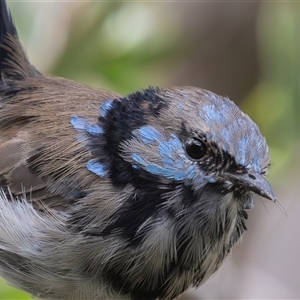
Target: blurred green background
{"points": [[249, 51]]}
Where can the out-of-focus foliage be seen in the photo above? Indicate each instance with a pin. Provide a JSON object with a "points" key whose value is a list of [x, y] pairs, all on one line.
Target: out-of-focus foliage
{"points": [[8, 293], [122, 46], [275, 101], [125, 46]]}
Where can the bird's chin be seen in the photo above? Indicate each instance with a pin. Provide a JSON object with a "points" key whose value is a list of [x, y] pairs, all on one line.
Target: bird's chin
{"points": [[241, 194], [245, 197], [249, 203]]}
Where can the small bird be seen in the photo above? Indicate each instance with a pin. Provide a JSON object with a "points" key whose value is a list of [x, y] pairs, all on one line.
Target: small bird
{"points": [[111, 197]]}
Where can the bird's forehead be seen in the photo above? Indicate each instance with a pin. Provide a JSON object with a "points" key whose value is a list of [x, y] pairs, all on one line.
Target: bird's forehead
{"points": [[225, 125]]}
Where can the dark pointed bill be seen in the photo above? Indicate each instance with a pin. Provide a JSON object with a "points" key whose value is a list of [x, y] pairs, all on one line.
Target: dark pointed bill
{"points": [[254, 182]]}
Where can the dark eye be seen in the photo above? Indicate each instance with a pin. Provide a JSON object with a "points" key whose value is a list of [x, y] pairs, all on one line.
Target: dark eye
{"points": [[195, 148]]}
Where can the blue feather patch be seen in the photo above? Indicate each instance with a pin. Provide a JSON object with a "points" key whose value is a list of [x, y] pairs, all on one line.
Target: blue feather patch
{"points": [[138, 159], [105, 107], [170, 147], [94, 130], [175, 165], [78, 123], [82, 124], [97, 168], [150, 135]]}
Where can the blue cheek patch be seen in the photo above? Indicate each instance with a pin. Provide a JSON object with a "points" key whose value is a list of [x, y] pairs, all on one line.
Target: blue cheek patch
{"points": [[166, 172], [155, 169], [149, 135], [97, 168], [170, 148], [105, 107], [191, 172], [174, 164]]}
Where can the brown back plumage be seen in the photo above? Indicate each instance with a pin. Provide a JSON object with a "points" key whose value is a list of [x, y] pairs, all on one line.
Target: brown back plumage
{"points": [[37, 161]]}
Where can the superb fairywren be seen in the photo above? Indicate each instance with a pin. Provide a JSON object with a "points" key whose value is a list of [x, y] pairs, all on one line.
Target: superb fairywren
{"points": [[112, 197]]}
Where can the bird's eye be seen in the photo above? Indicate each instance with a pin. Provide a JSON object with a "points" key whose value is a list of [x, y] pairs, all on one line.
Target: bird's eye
{"points": [[195, 148]]}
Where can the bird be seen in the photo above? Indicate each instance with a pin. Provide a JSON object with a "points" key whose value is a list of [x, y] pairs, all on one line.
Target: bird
{"points": [[105, 196]]}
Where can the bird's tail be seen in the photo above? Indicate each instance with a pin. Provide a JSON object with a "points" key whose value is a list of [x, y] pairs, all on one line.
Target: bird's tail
{"points": [[7, 28], [14, 63]]}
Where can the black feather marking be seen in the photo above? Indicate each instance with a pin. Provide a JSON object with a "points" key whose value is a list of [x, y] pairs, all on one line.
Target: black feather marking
{"points": [[125, 115], [115, 278], [144, 203], [121, 283], [147, 203]]}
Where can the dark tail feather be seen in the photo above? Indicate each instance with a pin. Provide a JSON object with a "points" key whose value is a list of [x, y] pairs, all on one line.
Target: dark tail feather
{"points": [[7, 28], [14, 63], [6, 24]]}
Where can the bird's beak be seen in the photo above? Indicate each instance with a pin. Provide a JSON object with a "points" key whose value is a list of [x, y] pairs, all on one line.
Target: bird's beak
{"points": [[255, 182]]}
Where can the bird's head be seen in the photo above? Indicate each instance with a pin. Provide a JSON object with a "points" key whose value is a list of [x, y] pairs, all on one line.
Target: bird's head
{"points": [[179, 147], [191, 137]]}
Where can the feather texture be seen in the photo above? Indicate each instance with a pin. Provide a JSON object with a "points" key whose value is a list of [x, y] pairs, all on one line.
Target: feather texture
{"points": [[104, 196]]}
